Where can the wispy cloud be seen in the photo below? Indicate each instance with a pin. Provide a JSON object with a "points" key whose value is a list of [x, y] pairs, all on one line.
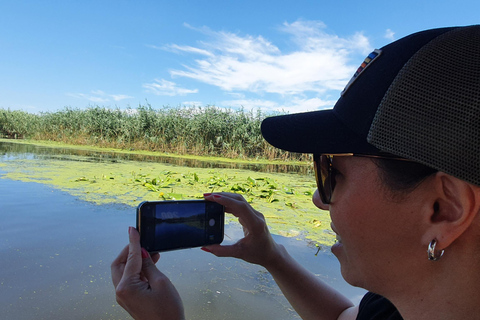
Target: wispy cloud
{"points": [[295, 104], [306, 72], [389, 34], [162, 87], [120, 97], [192, 103], [179, 49], [99, 96], [308, 104], [250, 104], [319, 62], [188, 49]]}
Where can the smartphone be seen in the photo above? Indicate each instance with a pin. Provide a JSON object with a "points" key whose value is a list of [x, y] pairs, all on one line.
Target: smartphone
{"points": [[179, 224]]}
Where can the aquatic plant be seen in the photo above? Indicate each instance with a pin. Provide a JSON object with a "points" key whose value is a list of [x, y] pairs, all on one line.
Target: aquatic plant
{"points": [[284, 198], [184, 130]]}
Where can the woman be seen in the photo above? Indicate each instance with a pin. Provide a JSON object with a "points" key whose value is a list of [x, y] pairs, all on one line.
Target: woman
{"points": [[398, 166]]}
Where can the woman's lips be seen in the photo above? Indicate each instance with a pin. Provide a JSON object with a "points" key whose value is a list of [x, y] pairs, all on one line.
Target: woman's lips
{"points": [[337, 236]]}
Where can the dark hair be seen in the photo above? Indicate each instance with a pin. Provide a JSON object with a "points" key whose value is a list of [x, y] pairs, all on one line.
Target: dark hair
{"points": [[402, 176]]}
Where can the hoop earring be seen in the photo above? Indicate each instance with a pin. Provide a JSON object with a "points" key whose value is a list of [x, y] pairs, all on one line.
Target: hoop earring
{"points": [[432, 256]]}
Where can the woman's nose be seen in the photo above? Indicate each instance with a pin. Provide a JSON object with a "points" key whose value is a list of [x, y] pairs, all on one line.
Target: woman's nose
{"points": [[317, 201]]}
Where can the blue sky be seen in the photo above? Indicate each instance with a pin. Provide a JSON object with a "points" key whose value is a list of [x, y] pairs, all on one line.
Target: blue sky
{"points": [[274, 55]]}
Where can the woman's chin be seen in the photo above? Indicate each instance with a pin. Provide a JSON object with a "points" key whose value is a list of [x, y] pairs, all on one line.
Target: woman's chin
{"points": [[337, 248]]}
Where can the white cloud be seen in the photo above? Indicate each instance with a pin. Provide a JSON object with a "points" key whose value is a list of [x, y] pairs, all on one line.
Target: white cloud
{"points": [[98, 92], [320, 61], [296, 104], [236, 95], [99, 96], [152, 46], [310, 36], [192, 103], [120, 97], [389, 34], [162, 87], [179, 49], [188, 49], [251, 104], [303, 104]]}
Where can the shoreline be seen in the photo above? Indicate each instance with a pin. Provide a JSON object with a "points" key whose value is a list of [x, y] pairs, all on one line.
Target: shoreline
{"points": [[56, 144]]}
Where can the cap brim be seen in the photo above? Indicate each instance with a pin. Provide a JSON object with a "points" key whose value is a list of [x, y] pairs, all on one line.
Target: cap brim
{"points": [[314, 132]]}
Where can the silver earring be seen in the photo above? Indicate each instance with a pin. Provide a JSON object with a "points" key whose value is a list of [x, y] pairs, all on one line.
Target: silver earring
{"points": [[432, 255]]}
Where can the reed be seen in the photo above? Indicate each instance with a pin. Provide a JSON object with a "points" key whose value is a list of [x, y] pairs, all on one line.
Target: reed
{"points": [[185, 130]]}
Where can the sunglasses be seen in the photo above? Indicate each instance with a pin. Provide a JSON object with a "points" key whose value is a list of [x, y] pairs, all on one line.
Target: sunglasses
{"points": [[325, 173]]}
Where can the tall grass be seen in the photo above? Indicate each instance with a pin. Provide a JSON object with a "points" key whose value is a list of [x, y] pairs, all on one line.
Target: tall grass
{"points": [[186, 130]]}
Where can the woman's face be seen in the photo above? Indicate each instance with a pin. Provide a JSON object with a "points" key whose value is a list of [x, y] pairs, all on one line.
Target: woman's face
{"points": [[379, 237]]}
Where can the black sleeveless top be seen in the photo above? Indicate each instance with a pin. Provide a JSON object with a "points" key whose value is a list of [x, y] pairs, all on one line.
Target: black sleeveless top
{"points": [[376, 307]]}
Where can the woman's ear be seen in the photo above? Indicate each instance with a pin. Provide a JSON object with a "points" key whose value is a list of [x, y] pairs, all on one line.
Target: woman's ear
{"points": [[454, 208]]}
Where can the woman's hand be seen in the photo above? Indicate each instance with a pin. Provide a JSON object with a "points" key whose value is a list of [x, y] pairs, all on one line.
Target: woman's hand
{"points": [[310, 297], [140, 287], [257, 246]]}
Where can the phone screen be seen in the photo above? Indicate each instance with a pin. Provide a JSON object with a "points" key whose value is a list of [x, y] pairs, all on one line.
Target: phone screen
{"points": [[170, 225]]}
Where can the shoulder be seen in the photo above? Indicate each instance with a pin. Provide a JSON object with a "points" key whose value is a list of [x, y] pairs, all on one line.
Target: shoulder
{"points": [[349, 314], [374, 306]]}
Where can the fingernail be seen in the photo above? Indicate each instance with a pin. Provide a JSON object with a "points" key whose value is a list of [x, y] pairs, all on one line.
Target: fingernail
{"points": [[144, 253], [130, 230], [206, 250], [207, 194], [217, 196]]}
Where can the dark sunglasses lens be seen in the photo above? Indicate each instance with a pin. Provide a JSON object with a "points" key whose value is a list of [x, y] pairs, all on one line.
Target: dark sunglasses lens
{"points": [[323, 175], [326, 164]]}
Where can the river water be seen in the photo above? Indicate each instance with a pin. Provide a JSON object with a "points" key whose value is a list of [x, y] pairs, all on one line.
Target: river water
{"points": [[56, 252]]}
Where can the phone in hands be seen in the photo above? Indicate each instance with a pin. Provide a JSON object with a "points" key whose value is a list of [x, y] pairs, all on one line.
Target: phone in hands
{"points": [[179, 224]]}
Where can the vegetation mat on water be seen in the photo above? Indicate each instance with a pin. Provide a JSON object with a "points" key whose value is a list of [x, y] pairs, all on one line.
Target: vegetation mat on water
{"points": [[284, 199]]}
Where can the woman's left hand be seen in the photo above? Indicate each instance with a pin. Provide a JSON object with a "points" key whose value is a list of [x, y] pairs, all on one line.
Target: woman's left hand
{"points": [[141, 289]]}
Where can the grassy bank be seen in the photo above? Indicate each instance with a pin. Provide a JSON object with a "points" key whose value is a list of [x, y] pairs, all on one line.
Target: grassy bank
{"points": [[201, 131]]}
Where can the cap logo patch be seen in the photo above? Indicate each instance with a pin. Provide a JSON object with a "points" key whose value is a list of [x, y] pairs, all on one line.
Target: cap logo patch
{"points": [[368, 60]]}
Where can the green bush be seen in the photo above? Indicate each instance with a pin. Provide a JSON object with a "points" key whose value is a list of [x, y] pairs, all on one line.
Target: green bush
{"points": [[185, 130]]}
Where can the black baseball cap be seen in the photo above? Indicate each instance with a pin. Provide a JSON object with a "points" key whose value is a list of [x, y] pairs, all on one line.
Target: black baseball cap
{"points": [[417, 97]]}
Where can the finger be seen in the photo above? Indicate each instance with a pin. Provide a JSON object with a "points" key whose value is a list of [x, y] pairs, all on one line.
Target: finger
{"points": [[155, 257], [223, 251], [234, 196], [133, 265], [236, 205], [250, 219], [217, 195], [235, 200], [149, 270], [118, 265]]}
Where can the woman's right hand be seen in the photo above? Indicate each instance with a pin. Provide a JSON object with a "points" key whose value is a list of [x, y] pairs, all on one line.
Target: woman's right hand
{"points": [[311, 297], [257, 246]]}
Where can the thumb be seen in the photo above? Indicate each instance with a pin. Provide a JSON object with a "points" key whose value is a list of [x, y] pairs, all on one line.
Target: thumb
{"points": [[149, 270], [223, 250]]}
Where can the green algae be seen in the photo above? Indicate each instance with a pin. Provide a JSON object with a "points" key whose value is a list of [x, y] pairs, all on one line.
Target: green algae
{"points": [[284, 199]]}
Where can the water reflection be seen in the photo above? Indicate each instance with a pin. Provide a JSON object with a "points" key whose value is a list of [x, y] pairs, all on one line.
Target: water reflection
{"points": [[29, 151]]}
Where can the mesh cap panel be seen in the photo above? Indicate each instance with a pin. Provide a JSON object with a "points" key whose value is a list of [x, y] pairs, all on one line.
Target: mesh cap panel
{"points": [[431, 112]]}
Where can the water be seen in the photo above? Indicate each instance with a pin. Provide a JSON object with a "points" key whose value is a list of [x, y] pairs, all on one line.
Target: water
{"points": [[56, 252], [49, 153]]}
